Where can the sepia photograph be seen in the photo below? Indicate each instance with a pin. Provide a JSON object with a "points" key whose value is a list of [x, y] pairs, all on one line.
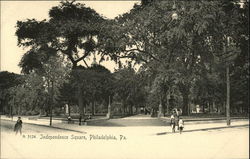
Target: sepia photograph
{"points": [[132, 79]]}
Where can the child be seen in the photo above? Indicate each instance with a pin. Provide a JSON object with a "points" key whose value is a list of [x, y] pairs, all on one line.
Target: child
{"points": [[181, 125], [172, 123]]}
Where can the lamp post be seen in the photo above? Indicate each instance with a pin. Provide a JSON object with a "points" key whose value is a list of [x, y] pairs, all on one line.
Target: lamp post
{"points": [[227, 43], [51, 103], [228, 97], [174, 17], [227, 59]]}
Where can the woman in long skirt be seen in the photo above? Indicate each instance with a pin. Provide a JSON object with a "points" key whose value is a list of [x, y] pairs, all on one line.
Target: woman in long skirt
{"points": [[18, 126]]}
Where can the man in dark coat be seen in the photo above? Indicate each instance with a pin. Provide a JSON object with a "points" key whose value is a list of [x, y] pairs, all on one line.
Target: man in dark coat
{"points": [[18, 126]]}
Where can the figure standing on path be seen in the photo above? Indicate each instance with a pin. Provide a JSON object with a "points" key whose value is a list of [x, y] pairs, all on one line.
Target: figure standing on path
{"points": [[69, 119], [80, 120], [18, 126], [172, 123], [176, 119], [181, 125]]}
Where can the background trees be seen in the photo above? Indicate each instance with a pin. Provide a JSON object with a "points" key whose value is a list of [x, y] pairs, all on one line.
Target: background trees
{"points": [[39, 90], [129, 89], [7, 81], [95, 85], [185, 49], [71, 31], [182, 59]]}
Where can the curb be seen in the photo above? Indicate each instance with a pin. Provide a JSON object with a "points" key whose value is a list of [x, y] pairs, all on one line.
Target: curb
{"points": [[50, 126], [216, 128], [205, 129], [206, 121]]}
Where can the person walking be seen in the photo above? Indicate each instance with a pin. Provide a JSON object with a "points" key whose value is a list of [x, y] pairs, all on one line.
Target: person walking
{"points": [[176, 119], [18, 126], [80, 120], [172, 123], [69, 119], [181, 125]]}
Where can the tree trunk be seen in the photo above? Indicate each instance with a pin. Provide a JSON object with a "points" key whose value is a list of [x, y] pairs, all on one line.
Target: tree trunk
{"points": [[52, 102], [209, 107], [203, 107], [217, 108], [10, 110], [93, 107], [80, 100], [19, 110], [124, 107], [69, 110], [109, 109], [228, 97], [40, 112], [184, 89], [213, 107], [224, 107], [164, 108], [160, 108], [167, 108], [185, 103]]}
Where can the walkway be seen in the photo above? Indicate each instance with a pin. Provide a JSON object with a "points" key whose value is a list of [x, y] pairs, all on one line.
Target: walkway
{"points": [[139, 122], [136, 120]]}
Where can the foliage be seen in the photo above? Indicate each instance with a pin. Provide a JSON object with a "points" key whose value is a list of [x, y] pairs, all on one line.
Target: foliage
{"points": [[7, 81], [177, 57], [129, 88], [71, 30], [93, 84], [180, 49], [35, 92], [35, 58]]}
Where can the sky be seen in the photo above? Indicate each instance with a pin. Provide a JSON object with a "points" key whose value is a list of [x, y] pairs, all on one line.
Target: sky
{"points": [[12, 11]]}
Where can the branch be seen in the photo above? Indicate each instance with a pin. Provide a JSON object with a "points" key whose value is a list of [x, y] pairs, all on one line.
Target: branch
{"points": [[134, 50], [142, 51], [83, 57], [132, 57], [71, 59], [85, 63]]}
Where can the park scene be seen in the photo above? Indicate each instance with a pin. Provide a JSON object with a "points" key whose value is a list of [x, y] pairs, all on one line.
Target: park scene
{"points": [[158, 79]]}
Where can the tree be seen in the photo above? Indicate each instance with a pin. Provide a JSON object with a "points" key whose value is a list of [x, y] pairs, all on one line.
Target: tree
{"points": [[7, 81], [40, 89], [35, 58], [101, 84], [91, 85], [29, 96], [185, 45], [156, 40], [227, 37], [129, 89], [72, 30], [56, 73]]}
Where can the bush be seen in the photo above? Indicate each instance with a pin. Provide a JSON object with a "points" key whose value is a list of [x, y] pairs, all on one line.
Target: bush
{"points": [[58, 111], [32, 112]]}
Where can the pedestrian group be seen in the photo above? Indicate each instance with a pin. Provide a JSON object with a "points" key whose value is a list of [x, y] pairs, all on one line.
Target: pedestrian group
{"points": [[176, 121]]}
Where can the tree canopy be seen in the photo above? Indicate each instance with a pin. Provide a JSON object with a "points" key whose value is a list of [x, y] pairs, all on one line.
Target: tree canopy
{"points": [[72, 30], [182, 50]]}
